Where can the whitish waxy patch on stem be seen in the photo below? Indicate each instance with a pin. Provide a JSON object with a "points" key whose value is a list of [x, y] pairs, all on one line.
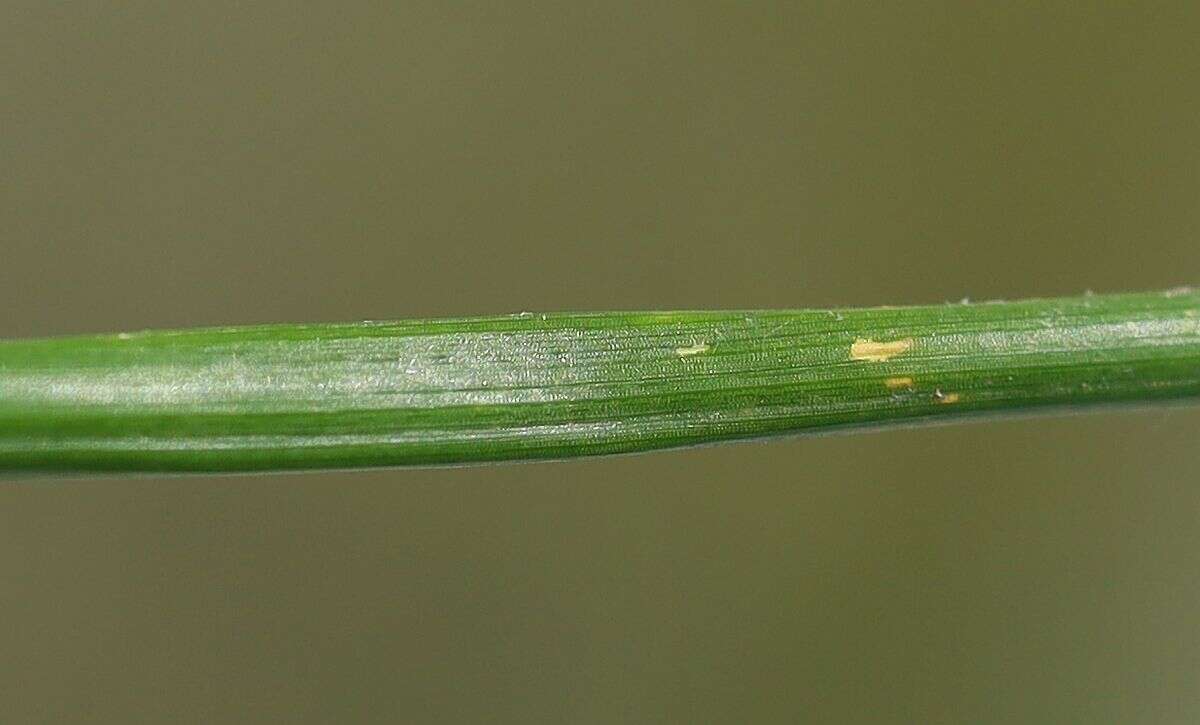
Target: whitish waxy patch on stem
{"points": [[696, 348], [871, 351]]}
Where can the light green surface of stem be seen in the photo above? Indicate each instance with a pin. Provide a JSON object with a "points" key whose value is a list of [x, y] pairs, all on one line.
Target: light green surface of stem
{"points": [[553, 386]]}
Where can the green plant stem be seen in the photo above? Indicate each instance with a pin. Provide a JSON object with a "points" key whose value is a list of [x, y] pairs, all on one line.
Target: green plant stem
{"points": [[554, 386]]}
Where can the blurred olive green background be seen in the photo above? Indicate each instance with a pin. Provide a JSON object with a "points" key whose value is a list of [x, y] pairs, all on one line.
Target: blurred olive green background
{"points": [[177, 164]]}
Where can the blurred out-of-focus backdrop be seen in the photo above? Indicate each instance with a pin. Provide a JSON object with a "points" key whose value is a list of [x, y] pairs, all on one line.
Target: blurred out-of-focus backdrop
{"points": [[181, 164]]}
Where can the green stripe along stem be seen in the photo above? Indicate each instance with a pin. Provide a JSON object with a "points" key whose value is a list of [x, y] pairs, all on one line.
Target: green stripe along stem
{"points": [[533, 386]]}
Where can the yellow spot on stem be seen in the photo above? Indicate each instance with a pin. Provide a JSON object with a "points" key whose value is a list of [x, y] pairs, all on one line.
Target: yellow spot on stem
{"points": [[897, 383], [871, 351], [695, 348], [947, 398]]}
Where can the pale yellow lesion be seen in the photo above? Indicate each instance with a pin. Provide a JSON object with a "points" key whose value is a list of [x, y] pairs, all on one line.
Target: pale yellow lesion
{"points": [[946, 398], [871, 351], [899, 383], [698, 347]]}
